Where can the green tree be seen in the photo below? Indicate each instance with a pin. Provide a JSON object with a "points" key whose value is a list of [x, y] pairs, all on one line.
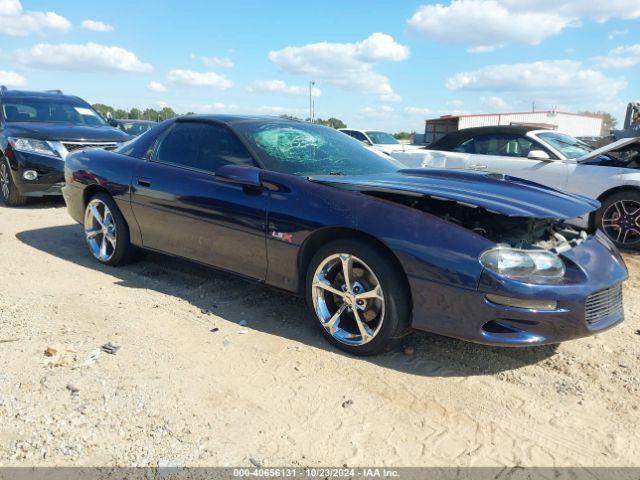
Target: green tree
{"points": [[332, 122], [609, 122], [404, 135], [135, 114]]}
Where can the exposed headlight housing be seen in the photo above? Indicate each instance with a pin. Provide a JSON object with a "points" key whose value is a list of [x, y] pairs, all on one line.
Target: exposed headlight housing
{"points": [[32, 145], [531, 266]]}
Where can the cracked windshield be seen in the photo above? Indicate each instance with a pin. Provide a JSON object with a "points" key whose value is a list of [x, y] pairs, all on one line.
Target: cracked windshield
{"points": [[314, 150]]}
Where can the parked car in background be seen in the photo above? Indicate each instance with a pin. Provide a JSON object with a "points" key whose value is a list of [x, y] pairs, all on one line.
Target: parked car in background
{"points": [[383, 141], [132, 127], [610, 174], [37, 131], [298, 206]]}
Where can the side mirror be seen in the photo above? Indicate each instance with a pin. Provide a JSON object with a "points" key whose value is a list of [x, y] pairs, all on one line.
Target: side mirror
{"points": [[246, 176], [112, 122], [367, 142], [539, 155]]}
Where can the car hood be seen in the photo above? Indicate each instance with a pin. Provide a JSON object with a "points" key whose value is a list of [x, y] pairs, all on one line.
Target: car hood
{"points": [[611, 147], [497, 193], [66, 131]]}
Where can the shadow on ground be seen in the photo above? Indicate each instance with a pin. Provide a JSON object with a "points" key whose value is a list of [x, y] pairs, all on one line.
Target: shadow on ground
{"points": [[278, 313]]}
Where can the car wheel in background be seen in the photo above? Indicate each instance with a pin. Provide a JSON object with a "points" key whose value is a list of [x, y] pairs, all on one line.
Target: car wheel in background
{"points": [[358, 296], [8, 190], [619, 218], [106, 231]]}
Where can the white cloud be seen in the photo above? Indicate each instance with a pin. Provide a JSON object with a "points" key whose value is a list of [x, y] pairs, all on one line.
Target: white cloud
{"points": [[215, 107], [156, 87], [485, 25], [96, 26], [16, 22], [278, 86], [621, 57], [376, 112], [553, 78], [616, 33], [417, 111], [456, 103], [390, 98], [88, 57], [223, 62], [12, 79], [277, 110], [199, 79], [495, 103], [349, 66]]}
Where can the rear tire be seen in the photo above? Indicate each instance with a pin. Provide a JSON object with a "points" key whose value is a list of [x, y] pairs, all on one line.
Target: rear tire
{"points": [[619, 219], [373, 313], [106, 231], [8, 190]]}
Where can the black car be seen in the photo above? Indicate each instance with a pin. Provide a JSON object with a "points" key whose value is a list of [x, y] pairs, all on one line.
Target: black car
{"points": [[132, 127], [37, 131]]}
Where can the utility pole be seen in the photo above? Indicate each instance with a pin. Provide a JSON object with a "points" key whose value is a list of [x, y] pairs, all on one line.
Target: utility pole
{"points": [[311, 85]]}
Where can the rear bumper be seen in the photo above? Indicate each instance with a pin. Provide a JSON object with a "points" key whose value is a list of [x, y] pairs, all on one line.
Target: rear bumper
{"points": [[469, 315]]}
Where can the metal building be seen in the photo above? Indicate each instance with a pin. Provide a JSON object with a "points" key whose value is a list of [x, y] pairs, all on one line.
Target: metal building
{"points": [[573, 124]]}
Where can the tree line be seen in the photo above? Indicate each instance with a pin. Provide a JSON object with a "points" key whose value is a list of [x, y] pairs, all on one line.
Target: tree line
{"points": [[166, 113]]}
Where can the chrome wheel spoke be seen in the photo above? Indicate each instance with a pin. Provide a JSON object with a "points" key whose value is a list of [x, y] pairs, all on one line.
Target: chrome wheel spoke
{"points": [[347, 266], [90, 234], [375, 294], [365, 333], [332, 325], [325, 285], [103, 247], [96, 214], [111, 239]]}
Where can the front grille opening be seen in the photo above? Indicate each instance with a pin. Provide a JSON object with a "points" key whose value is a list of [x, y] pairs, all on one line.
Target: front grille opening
{"points": [[72, 147], [604, 304]]}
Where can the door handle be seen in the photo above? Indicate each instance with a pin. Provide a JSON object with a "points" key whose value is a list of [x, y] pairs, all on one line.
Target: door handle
{"points": [[144, 182], [478, 166]]}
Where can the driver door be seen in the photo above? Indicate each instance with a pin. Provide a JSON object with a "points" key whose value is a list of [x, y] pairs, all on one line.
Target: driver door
{"points": [[507, 154], [183, 209]]}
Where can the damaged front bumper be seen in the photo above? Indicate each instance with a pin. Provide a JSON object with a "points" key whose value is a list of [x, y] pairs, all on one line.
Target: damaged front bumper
{"points": [[587, 301]]}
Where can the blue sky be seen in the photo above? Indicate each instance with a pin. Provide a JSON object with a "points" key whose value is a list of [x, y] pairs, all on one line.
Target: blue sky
{"points": [[383, 64]]}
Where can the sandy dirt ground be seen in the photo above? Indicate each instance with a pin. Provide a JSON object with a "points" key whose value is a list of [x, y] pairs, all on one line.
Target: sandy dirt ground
{"points": [[265, 388]]}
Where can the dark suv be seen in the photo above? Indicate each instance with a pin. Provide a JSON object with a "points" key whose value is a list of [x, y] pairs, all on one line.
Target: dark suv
{"points": [[37, 131]]}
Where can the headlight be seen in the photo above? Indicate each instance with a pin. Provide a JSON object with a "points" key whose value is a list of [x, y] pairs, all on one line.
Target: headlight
{"points": [[31, 145], [526, 265]]}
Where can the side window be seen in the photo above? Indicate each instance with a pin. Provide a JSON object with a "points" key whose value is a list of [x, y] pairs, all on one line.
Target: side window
{"points": [[202, 146], [502, 145], [465, 147], [360, 136]]}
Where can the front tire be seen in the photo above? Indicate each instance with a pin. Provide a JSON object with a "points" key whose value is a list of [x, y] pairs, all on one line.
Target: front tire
{"points": [[619, 219], [358, 297], [8, 190], [106, 231]]}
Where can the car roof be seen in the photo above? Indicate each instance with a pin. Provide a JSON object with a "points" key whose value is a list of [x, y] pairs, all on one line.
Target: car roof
{"points": [[452, 139], [231, 119], [33, 94], [131, 120]]}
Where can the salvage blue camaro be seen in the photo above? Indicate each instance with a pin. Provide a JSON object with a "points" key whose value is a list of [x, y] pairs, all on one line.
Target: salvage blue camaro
{"points": [[376, 250]]}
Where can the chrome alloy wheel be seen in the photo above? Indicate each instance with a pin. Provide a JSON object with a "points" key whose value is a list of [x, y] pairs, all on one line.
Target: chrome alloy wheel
{"points": [[100, 230], [621, 222], [4, 180], [348, 299]]}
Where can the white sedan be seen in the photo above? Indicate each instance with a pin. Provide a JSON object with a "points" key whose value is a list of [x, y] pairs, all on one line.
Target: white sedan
{"points": [[382, 141], [611, 174]]}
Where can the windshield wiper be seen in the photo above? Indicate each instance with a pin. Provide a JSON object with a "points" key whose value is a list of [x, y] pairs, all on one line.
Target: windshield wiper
{"points": [[336, 173]]}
